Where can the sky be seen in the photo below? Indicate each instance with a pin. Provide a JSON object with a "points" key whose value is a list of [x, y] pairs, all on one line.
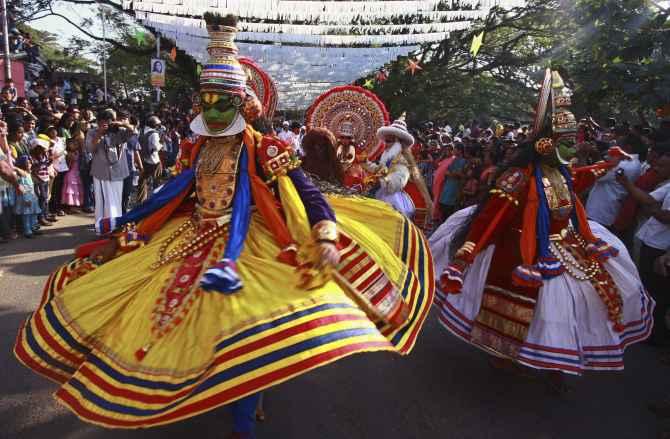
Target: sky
{"points": [[62, 28]]}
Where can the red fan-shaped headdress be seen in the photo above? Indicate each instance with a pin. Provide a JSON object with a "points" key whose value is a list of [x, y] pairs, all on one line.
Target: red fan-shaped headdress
{"points": [[262, 85], [350, 108]]}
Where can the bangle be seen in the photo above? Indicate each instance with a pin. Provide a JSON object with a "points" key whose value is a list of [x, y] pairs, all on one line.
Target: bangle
{"points": [[325, 230]]}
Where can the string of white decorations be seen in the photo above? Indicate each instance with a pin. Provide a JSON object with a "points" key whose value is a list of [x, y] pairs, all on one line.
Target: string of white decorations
{"points": [[322, 12], [311, 46]]}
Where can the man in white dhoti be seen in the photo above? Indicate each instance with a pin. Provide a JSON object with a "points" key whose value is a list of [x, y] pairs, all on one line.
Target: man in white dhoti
{"points": [[109, 167]]}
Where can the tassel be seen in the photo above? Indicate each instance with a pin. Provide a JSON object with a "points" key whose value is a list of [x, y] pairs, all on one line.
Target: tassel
{"points": [[452, 278], [289, 255], [527, 276], [601, 251], [550, 267], [142, 352], [222, 277]]}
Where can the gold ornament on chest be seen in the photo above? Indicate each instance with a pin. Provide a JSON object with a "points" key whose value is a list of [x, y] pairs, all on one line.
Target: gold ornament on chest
{"points": [[216, 174], [557, 192]]}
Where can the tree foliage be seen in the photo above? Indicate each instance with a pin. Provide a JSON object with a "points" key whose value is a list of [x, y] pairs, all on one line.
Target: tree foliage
{"points": [[129, 72], [57, 57], [119, 21], [613, 53]]}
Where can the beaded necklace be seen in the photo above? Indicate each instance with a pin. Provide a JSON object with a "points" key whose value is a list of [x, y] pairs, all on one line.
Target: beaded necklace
{"points": [[189, 245]]}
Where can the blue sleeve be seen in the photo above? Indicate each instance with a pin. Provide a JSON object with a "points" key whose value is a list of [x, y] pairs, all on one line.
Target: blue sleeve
{"points": [[316, 205]]}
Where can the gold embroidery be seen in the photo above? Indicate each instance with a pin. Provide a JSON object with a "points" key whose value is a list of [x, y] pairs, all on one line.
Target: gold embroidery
{"points": [[504, 326], [216, 174], [506, 308], [505, 195], [557, 192]]}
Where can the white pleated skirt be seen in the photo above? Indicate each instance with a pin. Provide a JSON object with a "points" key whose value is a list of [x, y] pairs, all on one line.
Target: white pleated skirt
{"points": [[570, 330]]}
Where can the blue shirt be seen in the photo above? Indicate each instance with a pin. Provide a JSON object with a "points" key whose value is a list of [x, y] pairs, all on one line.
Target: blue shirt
{"points": [[452, 186]]}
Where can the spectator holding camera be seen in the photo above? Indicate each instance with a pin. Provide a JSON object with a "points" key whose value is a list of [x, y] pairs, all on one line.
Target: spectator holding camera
{"points": [[655, 237], [605, 199], [109, 166]]}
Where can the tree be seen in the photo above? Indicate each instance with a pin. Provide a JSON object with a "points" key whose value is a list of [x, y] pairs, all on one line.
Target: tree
{"points": [[129, 71], [613, 53], [118, 19], [58, 58], [617, 56]]}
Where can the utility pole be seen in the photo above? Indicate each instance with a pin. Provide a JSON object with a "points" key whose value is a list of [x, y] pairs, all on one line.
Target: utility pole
{"points": [[158, 55], [5, 40], [104, 51]]}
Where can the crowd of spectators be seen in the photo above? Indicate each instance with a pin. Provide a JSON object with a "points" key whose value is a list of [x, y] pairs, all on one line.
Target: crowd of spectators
{"points": [[63, 140], [632, 200]]}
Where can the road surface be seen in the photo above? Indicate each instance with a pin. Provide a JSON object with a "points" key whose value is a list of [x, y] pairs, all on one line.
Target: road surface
{"points": [[444, 389]]}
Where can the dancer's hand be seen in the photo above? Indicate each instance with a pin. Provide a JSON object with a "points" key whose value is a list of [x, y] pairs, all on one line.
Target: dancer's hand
{"points": [[105, 252], [327, 255]]}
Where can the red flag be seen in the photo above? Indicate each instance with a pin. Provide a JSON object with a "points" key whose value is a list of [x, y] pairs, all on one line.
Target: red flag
{"points": [[173, 54]]}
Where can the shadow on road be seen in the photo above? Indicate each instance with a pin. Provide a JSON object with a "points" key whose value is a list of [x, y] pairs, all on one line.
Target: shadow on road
{"points": [[39, 267], [444, 389], [54, 239]]}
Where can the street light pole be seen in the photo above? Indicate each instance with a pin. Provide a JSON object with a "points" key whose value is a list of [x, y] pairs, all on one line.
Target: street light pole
{"points": [[5, 40], [158, 55], [104, 51]]}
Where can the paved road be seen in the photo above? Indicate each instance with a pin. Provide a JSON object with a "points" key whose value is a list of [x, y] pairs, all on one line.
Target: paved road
{"points": [[445, 389]]}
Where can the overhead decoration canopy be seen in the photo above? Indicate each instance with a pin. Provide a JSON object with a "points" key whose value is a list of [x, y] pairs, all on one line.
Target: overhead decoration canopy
{"points": [[311, 46]]}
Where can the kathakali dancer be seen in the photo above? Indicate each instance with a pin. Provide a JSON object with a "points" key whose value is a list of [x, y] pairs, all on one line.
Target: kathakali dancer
{"points": [[233, 277], [402, 185], [353, 114], [526, 277]]}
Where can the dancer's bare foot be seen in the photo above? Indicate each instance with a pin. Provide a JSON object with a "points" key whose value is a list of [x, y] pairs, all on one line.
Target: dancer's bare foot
{"points": [[557, 385], [260, 412], [507, 365]]}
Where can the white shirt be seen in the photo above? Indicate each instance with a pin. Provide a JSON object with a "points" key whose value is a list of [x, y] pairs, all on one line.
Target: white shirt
{"points": [[654, 233], [297, 145], [286, 136], [154, 145], [59, 159], [607, 194]]}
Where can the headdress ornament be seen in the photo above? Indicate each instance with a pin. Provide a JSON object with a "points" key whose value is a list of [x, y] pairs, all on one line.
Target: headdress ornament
{"points": [[563, 122], [399, 129], [554, 96], [346, 129], [223, 71], [356, 105], [262, 85]]}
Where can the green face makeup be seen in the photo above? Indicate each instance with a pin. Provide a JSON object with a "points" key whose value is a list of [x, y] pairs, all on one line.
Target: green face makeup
{"points": [[566, 150], [219, 110]]}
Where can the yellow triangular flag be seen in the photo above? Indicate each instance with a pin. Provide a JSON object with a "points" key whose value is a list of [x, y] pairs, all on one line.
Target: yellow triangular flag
{"points": [[477, 41]]}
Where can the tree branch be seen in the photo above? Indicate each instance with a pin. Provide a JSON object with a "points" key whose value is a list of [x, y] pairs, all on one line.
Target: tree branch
{"points": [[116, 44]]}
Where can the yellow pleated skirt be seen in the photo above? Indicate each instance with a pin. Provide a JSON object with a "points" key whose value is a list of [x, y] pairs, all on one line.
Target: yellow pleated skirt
{"points": [[93, 321]]}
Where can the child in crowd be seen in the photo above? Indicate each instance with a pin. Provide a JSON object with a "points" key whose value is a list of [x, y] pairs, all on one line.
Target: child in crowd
{"points": [[27, 204], [41, 162], [73, 192], [471, 186], [8, 200]]}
